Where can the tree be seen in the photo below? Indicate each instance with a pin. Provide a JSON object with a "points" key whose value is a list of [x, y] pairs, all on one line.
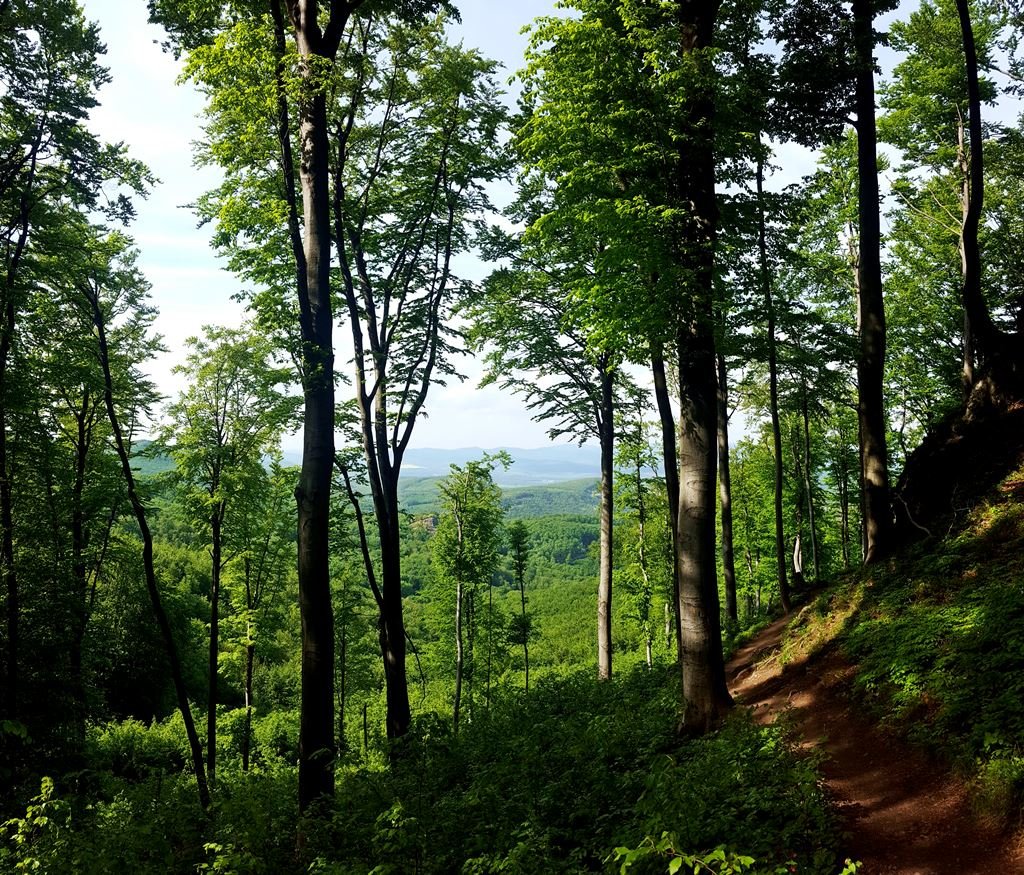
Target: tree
{"points": [[518, 538], [110, 294], [349, 118], [644, 193], [525, 321], [465, 549], [878, 516], [224, 423], [50, 161]]}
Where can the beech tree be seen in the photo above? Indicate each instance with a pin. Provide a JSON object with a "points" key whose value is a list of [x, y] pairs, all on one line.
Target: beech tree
{"points": [[50, 163], [113, 295], [525, 324], [645, 194], [345, 81], [230, 416]]}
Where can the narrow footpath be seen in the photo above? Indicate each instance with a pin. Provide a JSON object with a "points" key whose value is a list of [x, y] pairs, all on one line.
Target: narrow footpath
{"points": [[903, 813]]}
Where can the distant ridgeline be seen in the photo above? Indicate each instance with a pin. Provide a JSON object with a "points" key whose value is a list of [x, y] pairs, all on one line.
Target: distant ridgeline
{"points": [[578, 497], [543, 481]]}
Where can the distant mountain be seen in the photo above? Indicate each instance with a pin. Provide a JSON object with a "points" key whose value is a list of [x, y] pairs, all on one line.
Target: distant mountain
{"points": [[530, 467]]}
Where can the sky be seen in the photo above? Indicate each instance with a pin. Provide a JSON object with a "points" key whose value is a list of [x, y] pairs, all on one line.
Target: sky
{"points": [[158, 118]]}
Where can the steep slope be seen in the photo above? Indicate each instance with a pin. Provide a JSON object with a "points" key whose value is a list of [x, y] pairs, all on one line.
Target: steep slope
{"points": [[909, 679]]}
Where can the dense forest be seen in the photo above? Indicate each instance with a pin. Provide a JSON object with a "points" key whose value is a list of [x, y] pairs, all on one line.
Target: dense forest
{"points": [[767, 256]]}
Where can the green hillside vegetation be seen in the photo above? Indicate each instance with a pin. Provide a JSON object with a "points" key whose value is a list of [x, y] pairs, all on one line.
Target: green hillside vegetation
{"points": [[937, 640], [419, 496]]}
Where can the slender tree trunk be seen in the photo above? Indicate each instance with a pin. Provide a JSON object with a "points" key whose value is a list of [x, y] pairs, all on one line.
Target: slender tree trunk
{"points": [[671, 463], [641, 512], [725, 492], [471, 659], [526, 636], [399, 714], [490, 638], [604, 586], [871, 361], [968, 261], [343, 680], [79, 572], [843, 482], [211, 703], [773, 386], [147, 559], [459, 654], [979, 331], [316, 721], [808, 481], [247, 736], [798, 519]]}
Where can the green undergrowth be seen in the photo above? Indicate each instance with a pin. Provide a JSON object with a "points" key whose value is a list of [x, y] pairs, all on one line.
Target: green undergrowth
{"points": [[580, 777], [937, 641]]}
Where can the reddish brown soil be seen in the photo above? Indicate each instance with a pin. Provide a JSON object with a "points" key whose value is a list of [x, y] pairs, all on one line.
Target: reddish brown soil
{"points": [[903, 813]]}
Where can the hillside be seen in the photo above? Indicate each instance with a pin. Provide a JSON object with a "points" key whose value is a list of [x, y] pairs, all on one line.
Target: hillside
{"points": [[929, 646], [419, 495]]}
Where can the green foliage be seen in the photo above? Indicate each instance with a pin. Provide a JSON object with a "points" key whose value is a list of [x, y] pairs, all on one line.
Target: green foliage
{"points": [[936, 638]]}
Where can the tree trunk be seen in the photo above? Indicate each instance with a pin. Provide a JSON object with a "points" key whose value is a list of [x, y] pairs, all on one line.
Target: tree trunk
{"points": [[970, 262], [490, 638], [247, 735], [704, 685], [725, 492], [871, 361], [399, 714], [773, 387], [604, 586], [978, 328], [459, 655], [808, 481], [147, 559], [843, 483], [707, 698], [798, 519], [526, 635], [79, 573], [211, 703], [671, 463], [316, 721], [471, 660]]}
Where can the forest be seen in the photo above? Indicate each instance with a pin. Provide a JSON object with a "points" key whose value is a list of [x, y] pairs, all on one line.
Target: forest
{"points": [[767, 256]]}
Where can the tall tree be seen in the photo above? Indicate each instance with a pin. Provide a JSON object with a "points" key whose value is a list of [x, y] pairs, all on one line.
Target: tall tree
{"points": [[51, 73], [465, 549], [231, 415], [107, 294], [644, 194], [345, 80], [878, 516], [525, 321]]}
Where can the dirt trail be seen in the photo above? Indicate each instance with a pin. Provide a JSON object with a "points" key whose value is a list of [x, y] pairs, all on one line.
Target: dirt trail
{"points": [[903, 813]]}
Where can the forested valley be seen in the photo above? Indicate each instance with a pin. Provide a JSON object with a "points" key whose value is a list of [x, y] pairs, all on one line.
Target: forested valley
{"points": [[767, 256]]}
